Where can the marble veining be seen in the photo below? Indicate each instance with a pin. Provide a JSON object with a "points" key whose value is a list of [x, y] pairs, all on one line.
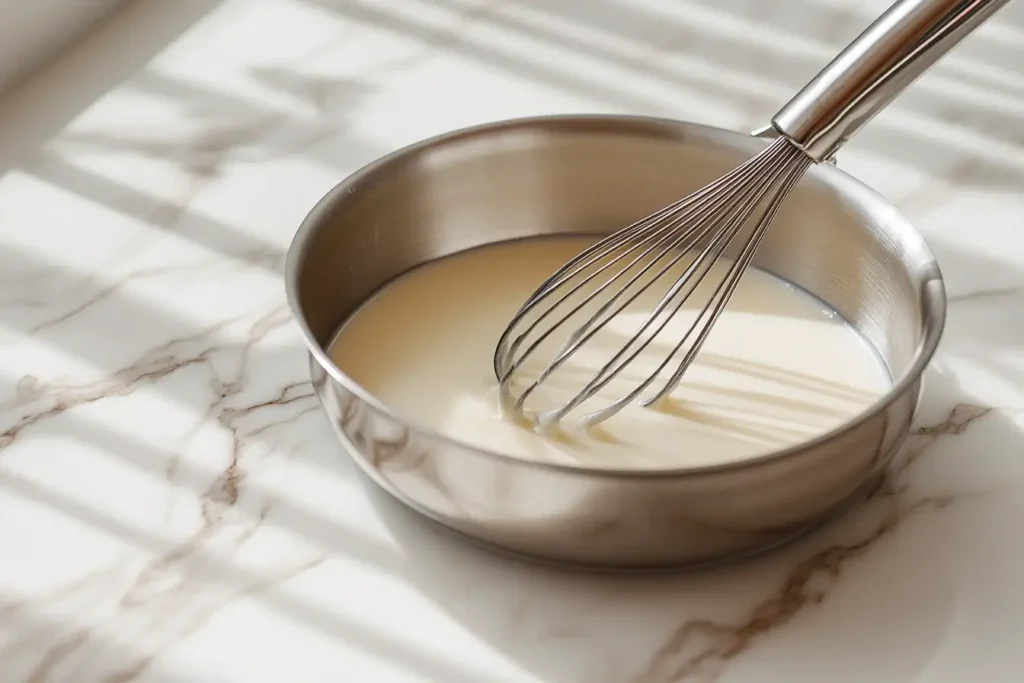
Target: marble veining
{"points": [[176, 508], [699, 647]]}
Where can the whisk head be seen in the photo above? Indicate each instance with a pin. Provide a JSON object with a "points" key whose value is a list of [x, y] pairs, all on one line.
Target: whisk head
{"points": [[583, 309]]}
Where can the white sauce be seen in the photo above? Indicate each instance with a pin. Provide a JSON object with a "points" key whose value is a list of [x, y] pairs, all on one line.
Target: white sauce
{"points": [[779, 368]]}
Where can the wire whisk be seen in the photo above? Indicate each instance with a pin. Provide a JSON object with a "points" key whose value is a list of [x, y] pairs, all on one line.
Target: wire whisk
{"points": [[590, 292]]}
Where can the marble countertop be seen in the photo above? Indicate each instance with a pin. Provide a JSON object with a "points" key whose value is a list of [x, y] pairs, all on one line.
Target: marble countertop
{"points": [[175, 506]]}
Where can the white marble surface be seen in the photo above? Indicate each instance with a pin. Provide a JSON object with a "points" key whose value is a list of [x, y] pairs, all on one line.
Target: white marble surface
{"points": [[174, 505]]}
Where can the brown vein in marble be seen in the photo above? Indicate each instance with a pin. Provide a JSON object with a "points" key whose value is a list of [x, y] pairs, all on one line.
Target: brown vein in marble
{"points": [[188, 581], [185, 605], [957, 421], [167, 601], [163, 362], [169, 214], [150, 368], [298, 415], [166, 213], [700, 649], [170, 598], [74, 597], [224, 491], [194, 568], [105, 291]]}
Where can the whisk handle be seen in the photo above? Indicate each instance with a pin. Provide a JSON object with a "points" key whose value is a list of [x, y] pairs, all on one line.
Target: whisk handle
{"points": [[902, 44]]}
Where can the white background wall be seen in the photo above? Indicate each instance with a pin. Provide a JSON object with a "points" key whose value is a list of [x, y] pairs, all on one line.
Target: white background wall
{"points": [[31, 31]]}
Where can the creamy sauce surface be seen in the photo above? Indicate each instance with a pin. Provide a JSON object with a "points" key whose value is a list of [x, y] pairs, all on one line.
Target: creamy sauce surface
{"points": [[779, 368]]}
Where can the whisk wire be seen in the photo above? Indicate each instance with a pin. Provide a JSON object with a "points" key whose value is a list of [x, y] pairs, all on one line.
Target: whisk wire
{"points": [[594, 254], [735, 214], [710, 196], [731, 281], [591, 327], [713, 216], [862, 80]]}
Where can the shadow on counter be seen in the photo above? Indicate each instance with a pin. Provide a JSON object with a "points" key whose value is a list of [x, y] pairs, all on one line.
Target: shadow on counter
{"points": [[954, 111]]}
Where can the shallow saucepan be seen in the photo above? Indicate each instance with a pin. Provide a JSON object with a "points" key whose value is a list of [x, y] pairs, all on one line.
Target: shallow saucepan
{"points": [[592, 174]]}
